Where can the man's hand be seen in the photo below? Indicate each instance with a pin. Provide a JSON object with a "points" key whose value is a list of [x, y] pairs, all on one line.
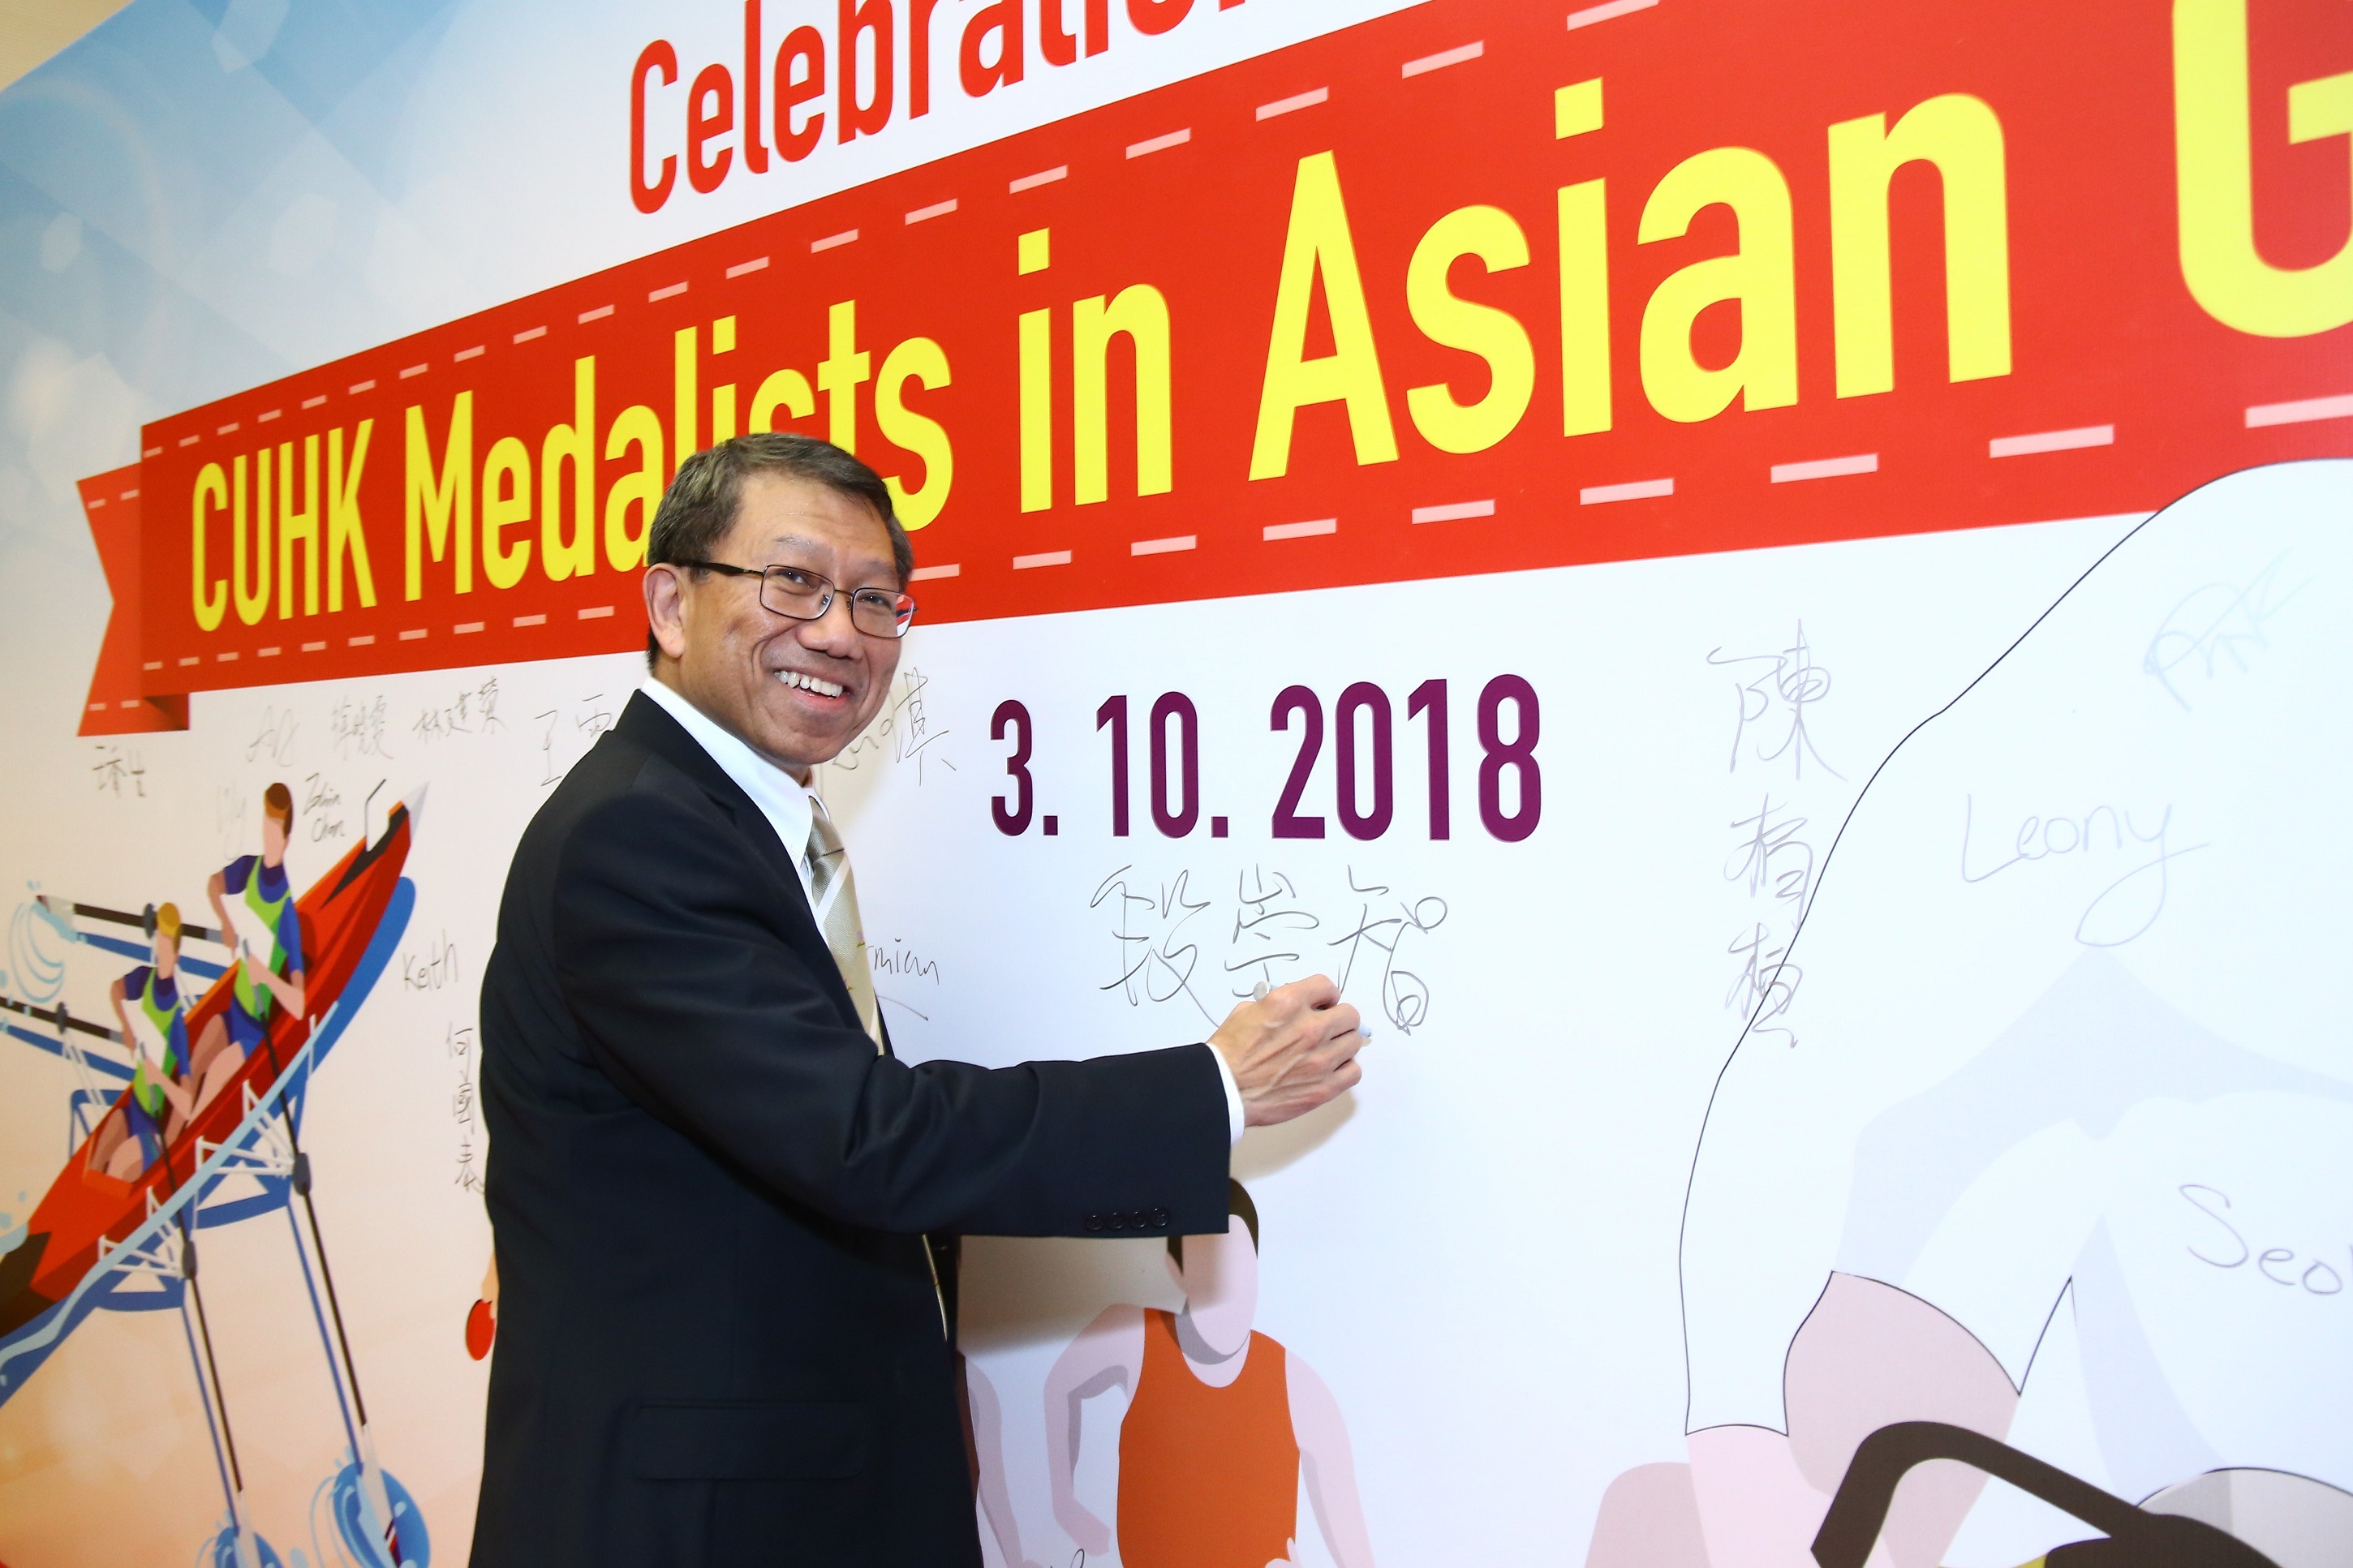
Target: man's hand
{"points": [[1291, 1051]]}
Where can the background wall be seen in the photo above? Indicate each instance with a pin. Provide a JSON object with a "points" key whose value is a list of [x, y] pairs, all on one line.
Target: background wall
{"points": [[2012, 676]]}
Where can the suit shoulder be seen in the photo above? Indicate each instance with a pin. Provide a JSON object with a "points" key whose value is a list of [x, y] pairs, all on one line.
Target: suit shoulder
{"points": [[618, 782], [649, 812]]}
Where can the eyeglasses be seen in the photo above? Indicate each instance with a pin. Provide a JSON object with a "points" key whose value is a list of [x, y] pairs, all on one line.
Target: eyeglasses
{"points": [[803, 596]]}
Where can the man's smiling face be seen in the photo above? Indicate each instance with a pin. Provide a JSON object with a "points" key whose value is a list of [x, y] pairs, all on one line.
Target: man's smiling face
{"points": [[794, 691]]}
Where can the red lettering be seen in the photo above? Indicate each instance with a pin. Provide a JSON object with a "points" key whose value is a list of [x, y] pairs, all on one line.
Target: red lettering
{"points": [[658, 56], [1152, 17], [755, 150], [919, 59], [857, 17], [805, 47], [1059, 48], [715, 121], [1004, 19], [714, 85]]}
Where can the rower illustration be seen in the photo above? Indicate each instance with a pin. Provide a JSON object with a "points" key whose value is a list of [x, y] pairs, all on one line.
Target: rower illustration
{"points": [[255, 904], [157, 1105], [196, 1138], [1222, 1424]]}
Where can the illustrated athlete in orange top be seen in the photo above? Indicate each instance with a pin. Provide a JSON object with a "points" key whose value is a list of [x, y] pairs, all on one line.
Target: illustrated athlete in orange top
{"points": [[1222, 1424]]}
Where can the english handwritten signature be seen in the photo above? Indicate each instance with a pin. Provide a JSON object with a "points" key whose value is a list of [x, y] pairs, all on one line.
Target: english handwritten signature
{"points": [[2218, 624]]}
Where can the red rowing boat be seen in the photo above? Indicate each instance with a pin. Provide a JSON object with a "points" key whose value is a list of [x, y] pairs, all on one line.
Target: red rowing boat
{"points": [[340, 914]]}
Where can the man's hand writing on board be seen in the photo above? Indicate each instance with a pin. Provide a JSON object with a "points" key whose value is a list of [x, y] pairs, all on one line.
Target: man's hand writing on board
{"points": [[1291, 1050]]}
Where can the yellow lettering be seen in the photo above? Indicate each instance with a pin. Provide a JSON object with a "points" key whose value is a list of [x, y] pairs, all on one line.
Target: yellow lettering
{"points": [[1494, 236], [433, 504], [1582, 215], [1036, 410], [1960, 136], [2213, 148], [1759, 275], [926, 364], [839, 374], [1318, 245], [1577, 108], [254, 603], [722, 396], [1585, 406], [574, 444], [636, 427], [210, 599], [298, 528], [1141, 311], [784, 389], [345, 530], [506, 500], [684, 394]]}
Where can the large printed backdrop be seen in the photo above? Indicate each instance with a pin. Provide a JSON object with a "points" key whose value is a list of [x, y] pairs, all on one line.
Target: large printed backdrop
{"points": [[1760, 584]]}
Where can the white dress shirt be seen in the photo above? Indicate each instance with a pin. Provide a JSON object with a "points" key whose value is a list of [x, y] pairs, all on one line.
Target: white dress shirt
{"points": [[789, 804]]}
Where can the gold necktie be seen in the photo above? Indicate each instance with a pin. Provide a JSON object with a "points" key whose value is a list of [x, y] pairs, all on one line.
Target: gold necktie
{"points": [[834, 895]]}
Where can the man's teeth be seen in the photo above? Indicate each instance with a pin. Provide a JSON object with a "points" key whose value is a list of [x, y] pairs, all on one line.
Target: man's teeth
{"points": [[808, 683]]}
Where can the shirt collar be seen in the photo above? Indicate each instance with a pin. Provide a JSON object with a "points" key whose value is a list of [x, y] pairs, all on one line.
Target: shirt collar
{"points": [[783, 799]]}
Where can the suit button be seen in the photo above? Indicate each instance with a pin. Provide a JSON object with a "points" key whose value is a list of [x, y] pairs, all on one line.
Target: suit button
{"points": [[1160, 1219], [1094, 1221], [1119, 1222]]}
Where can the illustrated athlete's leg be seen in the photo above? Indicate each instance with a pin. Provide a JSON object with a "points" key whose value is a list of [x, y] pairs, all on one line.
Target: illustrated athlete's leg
{"points": [[217, 1078], [1871, 1355], [1867, 1356], [174, 1120], [209, 1044], [1647, 1519], [112, 1131], [127, 1161], [140, 1145], [216, 1060]]}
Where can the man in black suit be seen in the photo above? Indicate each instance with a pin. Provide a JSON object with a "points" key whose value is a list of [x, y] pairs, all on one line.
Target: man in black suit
{"points": [[720, 1203]]}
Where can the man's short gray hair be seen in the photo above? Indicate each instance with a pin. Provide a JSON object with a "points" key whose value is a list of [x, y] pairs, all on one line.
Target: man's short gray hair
{"points": [[702, 503]]}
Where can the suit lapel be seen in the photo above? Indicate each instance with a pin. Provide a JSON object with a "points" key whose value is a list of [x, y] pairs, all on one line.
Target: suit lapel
{"points": [[644, 723]]}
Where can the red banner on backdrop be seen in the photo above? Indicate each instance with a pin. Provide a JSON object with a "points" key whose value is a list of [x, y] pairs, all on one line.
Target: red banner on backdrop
{"points": [[1468, 288], [116, 705]]}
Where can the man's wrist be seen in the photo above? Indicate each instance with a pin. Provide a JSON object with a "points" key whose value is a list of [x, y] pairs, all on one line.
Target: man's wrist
{"points": [[1234, 1115]]}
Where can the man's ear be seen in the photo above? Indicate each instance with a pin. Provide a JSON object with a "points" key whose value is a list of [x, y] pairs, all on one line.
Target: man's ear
{"points": [[666, 609]]}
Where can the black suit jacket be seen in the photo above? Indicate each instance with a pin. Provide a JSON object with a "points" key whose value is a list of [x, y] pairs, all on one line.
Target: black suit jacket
{"points": [[718, 1338]]}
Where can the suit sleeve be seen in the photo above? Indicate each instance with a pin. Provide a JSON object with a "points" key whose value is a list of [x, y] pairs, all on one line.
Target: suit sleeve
{"points": [[671, 961]]}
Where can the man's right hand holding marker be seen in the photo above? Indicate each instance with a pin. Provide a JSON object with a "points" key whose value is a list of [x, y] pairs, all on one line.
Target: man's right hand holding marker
{"points": [[1291, 1050]]}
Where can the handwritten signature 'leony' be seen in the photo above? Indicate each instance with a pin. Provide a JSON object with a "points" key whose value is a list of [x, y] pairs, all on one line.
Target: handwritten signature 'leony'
{"points": [[2126, 907]]}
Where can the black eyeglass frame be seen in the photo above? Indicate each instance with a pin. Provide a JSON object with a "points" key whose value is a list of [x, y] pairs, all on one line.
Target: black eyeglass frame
{"points": [[902, 604]]}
